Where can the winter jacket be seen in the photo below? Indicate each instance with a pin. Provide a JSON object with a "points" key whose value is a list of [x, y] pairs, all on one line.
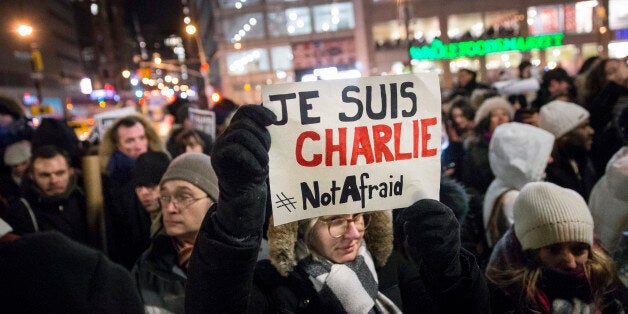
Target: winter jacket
{"points": [[518, 154], [128, 223], [160, 281], [49, 273], [609, 202], [65, 213], [558, 289], [229, 279], [476, 170]]}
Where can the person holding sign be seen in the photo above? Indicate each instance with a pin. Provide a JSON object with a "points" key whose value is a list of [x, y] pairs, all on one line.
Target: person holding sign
{"points": [[331, 263]]}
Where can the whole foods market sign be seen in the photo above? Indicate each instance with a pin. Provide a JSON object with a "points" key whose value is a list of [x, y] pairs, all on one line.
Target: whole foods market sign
{"points": [[439, 51]]}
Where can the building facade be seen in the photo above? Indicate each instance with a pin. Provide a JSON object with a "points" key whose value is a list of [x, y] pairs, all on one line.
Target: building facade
{"points": [[275, 41], [56, 66]]}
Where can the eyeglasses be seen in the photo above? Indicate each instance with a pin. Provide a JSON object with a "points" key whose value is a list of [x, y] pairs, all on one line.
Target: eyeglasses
{"points": [[337, 227], [179, 202]]}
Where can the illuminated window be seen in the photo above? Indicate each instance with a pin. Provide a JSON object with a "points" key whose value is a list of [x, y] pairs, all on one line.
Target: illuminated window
{"points": [[617, 13], [281, 57], [333, 17], [243, 27], [249, 61], [465, 26], [289, 22]]}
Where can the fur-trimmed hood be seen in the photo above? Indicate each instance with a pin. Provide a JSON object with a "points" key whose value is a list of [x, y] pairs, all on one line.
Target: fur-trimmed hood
{"points": [[108, 146], [282, 240]]}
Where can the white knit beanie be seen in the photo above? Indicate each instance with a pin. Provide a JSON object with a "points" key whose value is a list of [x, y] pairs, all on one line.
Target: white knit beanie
{"points": [[491, 104], [545, 214], [559, 117]]}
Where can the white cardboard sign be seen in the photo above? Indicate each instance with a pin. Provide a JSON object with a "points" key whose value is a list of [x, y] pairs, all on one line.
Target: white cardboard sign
{"points": [[355, 145], [203, 120]]}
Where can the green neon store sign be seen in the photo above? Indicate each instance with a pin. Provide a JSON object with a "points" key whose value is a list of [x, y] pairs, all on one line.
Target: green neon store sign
{"points": [[439, 51]]}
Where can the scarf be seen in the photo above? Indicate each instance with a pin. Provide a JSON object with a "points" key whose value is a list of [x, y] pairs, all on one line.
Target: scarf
{"points": [[351, 287], [184, 252], [565, 292], [120, 167]]}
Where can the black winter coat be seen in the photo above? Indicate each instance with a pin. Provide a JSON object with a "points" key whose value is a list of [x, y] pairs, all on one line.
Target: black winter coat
{"points": [[49, 273], [159, 280], [66, 214], [224, 277]]}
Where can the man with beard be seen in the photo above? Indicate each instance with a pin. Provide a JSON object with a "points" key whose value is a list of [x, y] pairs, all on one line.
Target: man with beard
{"points": [[52, 200], [571, 167]]}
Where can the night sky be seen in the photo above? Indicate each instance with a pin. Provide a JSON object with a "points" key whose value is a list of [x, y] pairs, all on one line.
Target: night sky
{"points": [[157, 18]]}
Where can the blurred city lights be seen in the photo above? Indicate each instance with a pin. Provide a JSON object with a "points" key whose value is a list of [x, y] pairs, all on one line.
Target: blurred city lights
{"points": [[24, 30]]}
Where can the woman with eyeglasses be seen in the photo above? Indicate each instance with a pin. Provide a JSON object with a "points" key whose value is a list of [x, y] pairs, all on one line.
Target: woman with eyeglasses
{"points": [[329, 264], [187, 190]]}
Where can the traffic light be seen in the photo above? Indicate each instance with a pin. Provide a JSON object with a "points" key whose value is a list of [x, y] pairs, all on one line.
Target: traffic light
{"points": [[37, 61]]}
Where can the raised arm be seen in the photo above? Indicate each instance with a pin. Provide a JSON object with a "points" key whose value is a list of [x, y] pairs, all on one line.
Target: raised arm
{"points": [[220, 275]]}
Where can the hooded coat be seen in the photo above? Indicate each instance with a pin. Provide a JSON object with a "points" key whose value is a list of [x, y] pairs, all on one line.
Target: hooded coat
{"points": [[280, 286], [126, 219], [609, 202], [518, 154]]}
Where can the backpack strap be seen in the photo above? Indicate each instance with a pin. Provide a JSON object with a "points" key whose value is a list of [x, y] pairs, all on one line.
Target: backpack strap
{"points": [[31, 214], [497, 224]]}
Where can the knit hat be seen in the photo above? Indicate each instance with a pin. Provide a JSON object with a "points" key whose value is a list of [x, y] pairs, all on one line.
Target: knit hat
{"points": [[491, 104], [149, 168], [559, 117], [17, 153], [8, 106], [545, 214], [195, 168]]}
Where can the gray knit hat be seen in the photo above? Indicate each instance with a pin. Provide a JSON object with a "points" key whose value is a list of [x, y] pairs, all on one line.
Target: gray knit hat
{"points": [[17, 153], [545, 214], [195, 168], [559, 117]]}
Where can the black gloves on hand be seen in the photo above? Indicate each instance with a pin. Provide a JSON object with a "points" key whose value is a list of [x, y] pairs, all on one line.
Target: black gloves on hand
{"points": [[240, 159], [429, 233]]}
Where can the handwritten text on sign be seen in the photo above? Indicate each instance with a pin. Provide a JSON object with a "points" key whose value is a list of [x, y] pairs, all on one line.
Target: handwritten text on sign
{"points": [[347, 146]]}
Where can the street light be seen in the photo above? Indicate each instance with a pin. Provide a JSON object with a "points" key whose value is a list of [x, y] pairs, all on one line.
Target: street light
{"points": [[192, 31], [24, 30], [37, 64]]}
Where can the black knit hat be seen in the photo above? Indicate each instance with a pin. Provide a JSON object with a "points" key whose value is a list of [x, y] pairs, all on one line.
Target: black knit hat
{"points": [[9, 106], [149, 168]]}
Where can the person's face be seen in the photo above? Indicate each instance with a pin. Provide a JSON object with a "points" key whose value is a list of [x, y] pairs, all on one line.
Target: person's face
{"points": [[531, 119], [132, 141], [339, 250], [616, 71], [564, 256], [192, 146], [559, 87], [19, 169], [526, 72], [52, 175], [461, 122], [498, 116], [149, 197], [184, 220], [582, 135], [6, 119], [464, 78]]}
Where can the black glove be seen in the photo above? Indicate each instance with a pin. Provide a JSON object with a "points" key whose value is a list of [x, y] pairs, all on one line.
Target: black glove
{"points": [[240, 159], [429, 234]]}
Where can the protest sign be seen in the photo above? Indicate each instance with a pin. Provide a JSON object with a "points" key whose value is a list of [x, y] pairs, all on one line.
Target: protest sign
{"points": [[105, 119], [203, 120], [355, 145]]}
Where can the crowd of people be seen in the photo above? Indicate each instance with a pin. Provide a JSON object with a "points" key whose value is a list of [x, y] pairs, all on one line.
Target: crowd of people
{"points": [[532, 215]]}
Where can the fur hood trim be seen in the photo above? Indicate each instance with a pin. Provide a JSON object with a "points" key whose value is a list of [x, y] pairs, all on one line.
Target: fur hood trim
{"points": [[107, 145], [282, 241]]}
